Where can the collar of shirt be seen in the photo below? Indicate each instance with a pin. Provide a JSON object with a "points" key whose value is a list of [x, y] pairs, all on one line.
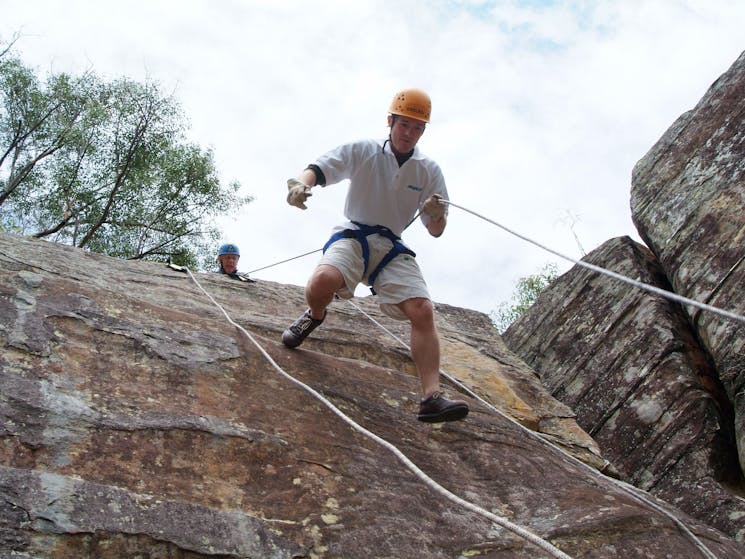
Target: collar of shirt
{"points": [[385, 144]]}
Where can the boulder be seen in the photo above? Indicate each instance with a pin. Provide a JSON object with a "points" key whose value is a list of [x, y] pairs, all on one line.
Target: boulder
{"points": [[627, 362], [687, 200]]}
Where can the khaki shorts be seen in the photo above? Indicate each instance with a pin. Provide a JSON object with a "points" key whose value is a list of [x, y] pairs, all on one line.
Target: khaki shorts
{"points": [[399, 280]]}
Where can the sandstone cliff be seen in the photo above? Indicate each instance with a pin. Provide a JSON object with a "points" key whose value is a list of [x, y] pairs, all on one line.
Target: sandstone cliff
{"points": [[135, 421], [658, 385], [687, 201]]}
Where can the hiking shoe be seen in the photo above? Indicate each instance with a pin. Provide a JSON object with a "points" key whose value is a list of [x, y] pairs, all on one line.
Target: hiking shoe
{"points": [[437, 409], [299, 330]]}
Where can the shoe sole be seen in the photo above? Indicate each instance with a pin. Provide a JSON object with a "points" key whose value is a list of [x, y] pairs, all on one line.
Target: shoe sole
{"points": [[455, 413]]}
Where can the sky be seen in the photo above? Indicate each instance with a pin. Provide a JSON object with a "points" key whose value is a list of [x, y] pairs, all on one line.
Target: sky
{"points": [[540, 109]]}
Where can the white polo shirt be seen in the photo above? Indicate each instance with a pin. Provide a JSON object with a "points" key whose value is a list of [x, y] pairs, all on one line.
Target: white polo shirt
{"points": [[381, 192]]}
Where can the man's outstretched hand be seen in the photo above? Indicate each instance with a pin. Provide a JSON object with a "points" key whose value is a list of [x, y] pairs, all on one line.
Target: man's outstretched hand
{"points": [[298, 193]]}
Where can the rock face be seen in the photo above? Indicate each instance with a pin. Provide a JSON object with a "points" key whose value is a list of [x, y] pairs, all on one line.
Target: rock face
{"points": [[627, 362], [687, 202], [659, 386], [136, 421]]}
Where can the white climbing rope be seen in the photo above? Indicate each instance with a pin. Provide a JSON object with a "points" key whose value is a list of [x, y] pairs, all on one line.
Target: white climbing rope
{"points": [[641, 285], [432, 484], [634, 492], [630, 489], [598, 269], [285, 260]]}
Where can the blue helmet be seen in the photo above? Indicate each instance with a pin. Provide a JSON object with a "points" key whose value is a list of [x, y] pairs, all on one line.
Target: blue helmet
{"points": [[229, 248]]}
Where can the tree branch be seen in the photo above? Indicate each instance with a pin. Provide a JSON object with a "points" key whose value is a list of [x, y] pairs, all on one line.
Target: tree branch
{"points": [[122, 173]]}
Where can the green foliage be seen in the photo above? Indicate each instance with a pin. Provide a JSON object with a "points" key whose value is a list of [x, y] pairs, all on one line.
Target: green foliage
{"points": [[105, 166], [527, 290]]}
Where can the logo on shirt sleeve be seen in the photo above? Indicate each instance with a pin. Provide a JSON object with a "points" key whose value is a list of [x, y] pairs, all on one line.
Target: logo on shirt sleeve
{"points": [[414, 187]]}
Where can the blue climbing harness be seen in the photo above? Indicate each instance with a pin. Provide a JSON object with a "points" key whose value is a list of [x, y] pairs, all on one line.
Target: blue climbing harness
{"points": [[361, 235]]}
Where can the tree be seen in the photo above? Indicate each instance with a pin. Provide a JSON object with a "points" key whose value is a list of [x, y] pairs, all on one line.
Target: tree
{"points": [[527, 290], [105, 166]]}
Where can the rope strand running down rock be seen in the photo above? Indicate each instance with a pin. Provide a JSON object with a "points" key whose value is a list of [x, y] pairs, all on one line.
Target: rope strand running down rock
{"points": [[629, 489], [547, 546]]}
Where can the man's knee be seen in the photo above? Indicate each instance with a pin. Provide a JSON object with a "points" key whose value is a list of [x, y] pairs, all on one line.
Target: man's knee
{"points": [[419, 310], [325, 279]]}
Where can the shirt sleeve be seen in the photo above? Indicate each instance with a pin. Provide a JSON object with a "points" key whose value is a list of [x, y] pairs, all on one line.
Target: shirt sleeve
{"points": [[339, 163]]}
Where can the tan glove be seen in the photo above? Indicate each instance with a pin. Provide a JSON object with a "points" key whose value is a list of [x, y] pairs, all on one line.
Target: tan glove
{"points": [[298, 193], [433, 207]]}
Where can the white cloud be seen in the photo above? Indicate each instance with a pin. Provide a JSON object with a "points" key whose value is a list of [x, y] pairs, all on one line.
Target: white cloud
{"points": [[540, 109]]}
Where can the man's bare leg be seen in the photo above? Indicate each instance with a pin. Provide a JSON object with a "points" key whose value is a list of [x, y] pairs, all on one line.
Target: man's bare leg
{"points": [[319, 292], [325, 281], [425, 350], [425, 343]]}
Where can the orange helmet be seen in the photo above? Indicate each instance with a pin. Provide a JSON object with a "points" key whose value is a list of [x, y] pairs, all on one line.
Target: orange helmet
{"points": [[412, 103]]}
